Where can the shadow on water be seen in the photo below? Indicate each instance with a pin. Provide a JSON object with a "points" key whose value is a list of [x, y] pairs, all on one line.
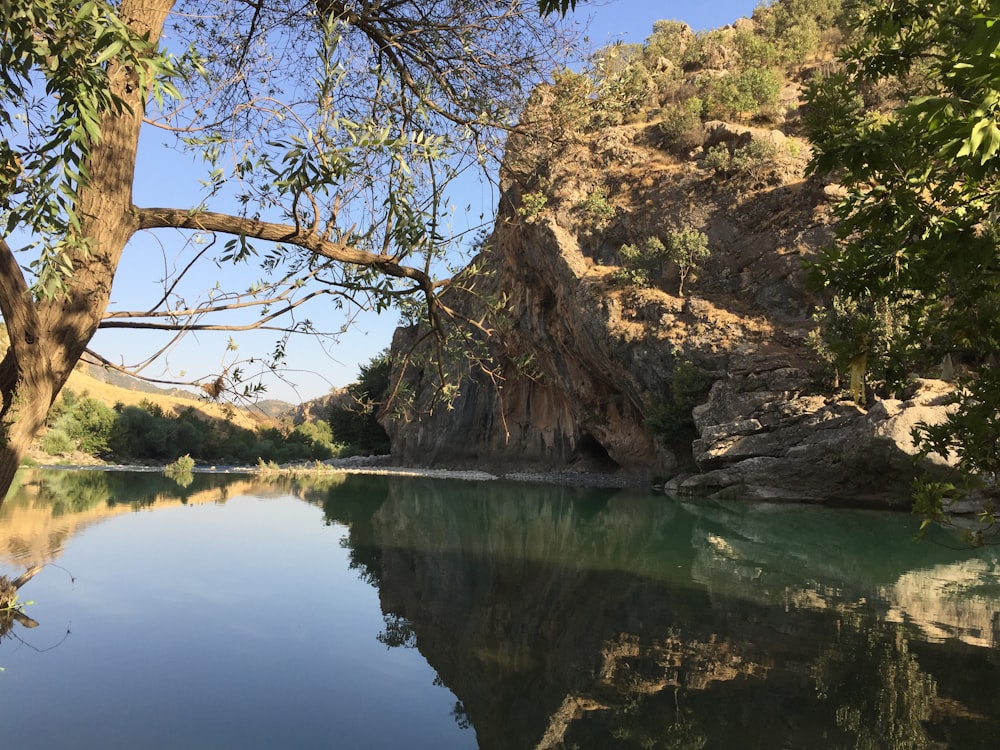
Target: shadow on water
{"points": [[562, 617]]}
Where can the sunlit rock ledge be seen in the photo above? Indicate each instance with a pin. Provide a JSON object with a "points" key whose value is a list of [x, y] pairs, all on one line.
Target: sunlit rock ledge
{"points": [[761, 439]]}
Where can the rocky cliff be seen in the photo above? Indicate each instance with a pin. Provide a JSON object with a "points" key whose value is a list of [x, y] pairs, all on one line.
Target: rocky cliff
{"points": [[717, 389]]}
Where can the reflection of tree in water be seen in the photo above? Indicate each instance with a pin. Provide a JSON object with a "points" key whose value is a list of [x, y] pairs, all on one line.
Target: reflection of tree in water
{"points": [[73, 491], [11, 609], [652, 723], [880, 695], [398, 632], [564, 621], [352, 503], [78, 491]]}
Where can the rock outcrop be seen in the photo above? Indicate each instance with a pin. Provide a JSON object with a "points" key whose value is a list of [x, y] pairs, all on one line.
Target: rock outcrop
{"points": [[763, 436], [584, 370]]}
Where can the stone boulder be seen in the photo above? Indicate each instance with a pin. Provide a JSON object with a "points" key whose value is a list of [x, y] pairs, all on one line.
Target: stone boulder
{"points": [[762, 437]]}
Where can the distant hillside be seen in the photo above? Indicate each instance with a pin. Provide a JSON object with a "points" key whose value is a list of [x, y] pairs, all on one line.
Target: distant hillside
{"points": [[275, 408], [127, 382], [111, 387], [319, 408]]}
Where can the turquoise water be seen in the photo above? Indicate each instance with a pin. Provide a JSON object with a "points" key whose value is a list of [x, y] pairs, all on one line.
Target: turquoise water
{"points": [[377, 612]]}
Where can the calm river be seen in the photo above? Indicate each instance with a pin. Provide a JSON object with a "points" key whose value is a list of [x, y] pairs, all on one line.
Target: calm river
{"points": [[377, 612]]}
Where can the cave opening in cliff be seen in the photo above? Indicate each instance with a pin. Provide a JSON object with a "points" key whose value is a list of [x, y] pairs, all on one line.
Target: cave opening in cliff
{"points": [[589, 452]]}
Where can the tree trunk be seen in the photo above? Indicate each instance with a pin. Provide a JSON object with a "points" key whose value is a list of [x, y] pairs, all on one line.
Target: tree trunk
{"points": [[49, 336]]}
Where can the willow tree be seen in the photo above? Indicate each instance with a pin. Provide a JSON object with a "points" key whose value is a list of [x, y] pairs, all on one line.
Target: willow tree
{"points": [[329, 130]]}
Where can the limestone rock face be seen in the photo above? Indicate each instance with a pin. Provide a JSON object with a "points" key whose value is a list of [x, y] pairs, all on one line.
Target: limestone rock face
{"points": [[576, 403], [762, 436], [585, 370]]}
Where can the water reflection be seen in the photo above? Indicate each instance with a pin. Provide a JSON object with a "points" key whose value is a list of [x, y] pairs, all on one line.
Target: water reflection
{"points": [[609, 620], [595, 619]]}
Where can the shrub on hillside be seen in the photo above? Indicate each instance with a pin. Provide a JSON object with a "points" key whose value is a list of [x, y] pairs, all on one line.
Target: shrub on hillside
{"points": [[597, 210], [740, 94], [55, 442], [681, 128], [623, 83], [571, 106], [686, 248], [751, 165], [798, 28], [671, 418], [708, 50], [669, 41], [641, 264]]}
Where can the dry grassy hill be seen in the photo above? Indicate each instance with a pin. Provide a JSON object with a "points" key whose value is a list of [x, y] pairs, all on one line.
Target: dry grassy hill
{"points": [[81, 381]]}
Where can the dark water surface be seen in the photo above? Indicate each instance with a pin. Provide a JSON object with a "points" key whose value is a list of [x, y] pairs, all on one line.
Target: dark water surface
{"points": [[378, 612]]}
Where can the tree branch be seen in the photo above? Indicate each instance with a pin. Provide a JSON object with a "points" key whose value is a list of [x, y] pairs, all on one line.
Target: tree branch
{"points": [[21, 318], [211, 221], [16, 305], [260, 324]]}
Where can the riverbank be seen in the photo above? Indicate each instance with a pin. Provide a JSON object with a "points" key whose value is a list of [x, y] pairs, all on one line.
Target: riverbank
{"points": [[374, 465]]}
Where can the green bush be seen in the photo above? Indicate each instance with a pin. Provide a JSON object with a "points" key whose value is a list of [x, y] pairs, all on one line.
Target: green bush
{"points": [[740, 94], [144, 433], [669, 40], [866, 340], [87, 423], [572, 102], [756, 50], [641, 264], [708, 49], [357, 425], [184, 464], [686, 247], [752, 164], [181, 471], [318, 436], [532, 205], [623, 83], [681, 128], [596, 208], [795, 27], [671, 418], [56, 442]]}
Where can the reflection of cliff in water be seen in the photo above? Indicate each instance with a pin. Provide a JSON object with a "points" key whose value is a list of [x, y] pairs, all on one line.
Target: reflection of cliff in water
{"points": [[820, 558], [562, 617]]}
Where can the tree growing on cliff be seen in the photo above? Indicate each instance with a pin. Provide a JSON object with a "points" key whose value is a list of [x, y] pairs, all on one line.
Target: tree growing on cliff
{"points": [[329, 130], [687, 248], [910, 125]]}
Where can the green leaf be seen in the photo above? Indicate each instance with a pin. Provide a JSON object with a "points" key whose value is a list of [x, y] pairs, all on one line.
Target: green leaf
{"points": [[110, 51], [86, 10]]}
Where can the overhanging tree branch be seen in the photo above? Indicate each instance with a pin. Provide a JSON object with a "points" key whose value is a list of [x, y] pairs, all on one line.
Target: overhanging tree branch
{"points": [[211, 221]]}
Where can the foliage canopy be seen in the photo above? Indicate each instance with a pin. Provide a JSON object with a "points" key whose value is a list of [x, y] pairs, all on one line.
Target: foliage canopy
{"points": [[910, 125]]}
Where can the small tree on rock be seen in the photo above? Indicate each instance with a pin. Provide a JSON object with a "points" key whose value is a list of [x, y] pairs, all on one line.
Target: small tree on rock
{"points": [[687, 248]]}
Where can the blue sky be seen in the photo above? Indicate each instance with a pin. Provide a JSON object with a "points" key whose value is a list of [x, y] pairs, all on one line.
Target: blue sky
{"points": [[313, 369], [632, 20]]}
